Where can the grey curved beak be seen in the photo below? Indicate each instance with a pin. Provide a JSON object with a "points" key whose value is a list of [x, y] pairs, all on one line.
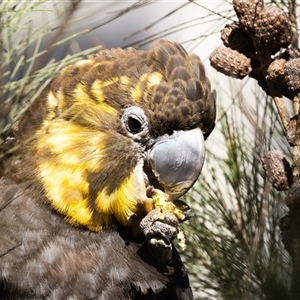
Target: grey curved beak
{"points": [[177, 160]]}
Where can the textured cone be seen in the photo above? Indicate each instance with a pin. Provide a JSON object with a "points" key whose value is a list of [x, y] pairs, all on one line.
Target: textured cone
{"points": [[278, 170], [276, 70], [291, 130], [230, 62], [273, 29], [234, 37], [246, 11], [292, 74]]}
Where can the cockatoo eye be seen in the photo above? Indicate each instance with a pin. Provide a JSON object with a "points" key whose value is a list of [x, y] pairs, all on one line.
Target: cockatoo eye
{"points": [[135, 121], [134, 125]]}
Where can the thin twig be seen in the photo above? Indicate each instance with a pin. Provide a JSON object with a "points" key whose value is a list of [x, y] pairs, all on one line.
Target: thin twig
{"points": [[296, 105], [279, 102]]}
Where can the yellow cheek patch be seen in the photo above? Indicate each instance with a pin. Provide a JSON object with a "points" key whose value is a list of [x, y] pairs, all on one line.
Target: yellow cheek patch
{"points": [[124, 201], [66, 190], [66, 154]]}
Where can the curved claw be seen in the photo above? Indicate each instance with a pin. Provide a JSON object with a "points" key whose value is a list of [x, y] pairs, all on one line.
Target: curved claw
{"points": [[159, 230]]}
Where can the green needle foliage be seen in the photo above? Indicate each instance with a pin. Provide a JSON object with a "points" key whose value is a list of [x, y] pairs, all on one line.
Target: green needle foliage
{"points": [[26, 49], [235, 239]]}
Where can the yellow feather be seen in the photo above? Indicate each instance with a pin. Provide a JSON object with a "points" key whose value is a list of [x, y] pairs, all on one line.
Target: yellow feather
{"points": [[66, 154], [154, 79], [124, 201], [140, 91], [82, 98]]}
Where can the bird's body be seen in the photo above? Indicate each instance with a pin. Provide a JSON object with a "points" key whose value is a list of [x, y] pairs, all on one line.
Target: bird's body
{"points": [[89, 166], [43, 257]]}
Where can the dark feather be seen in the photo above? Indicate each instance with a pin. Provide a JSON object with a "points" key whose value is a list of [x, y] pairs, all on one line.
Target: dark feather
{"points": [[44, 257]]}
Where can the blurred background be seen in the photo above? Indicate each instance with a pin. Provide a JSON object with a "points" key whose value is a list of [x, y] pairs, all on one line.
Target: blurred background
{"points": [[234, 248]]}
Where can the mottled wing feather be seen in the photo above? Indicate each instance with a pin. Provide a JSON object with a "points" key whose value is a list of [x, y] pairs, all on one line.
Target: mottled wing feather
{"points": [[43, 257]]}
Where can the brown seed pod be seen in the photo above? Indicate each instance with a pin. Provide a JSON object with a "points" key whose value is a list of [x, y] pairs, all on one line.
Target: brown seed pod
{"points": [[277, 169], [273, 29], [292, 74], [276, 70], [234, 37], [291, 131], [230, 62], [246, 11]]}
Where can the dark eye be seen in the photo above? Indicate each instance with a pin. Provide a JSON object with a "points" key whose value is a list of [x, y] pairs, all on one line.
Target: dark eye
{"points": [[135, 121], [134, 125]]}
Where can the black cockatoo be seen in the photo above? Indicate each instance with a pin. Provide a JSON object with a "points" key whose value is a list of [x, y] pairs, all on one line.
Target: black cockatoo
{"points": [[93, 173]]}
